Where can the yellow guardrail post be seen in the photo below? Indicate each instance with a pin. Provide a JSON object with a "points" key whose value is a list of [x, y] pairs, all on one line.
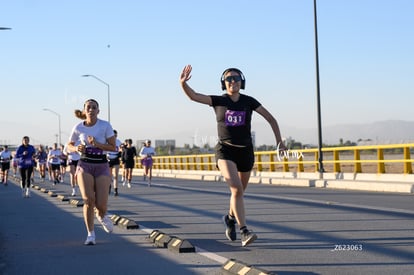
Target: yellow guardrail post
{"points": [[181, 163], [195, 163], [316, 162], [407, 165], [202, 162], [272, 161], [171, 163], [381, 165], [357, 163], [285, 164], [210, 163], [300, 164], [259, 162], [337, 165], [187, 164]]}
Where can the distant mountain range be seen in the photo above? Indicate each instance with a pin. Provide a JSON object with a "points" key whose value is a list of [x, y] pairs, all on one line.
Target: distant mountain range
{"points": [[380, 132]]}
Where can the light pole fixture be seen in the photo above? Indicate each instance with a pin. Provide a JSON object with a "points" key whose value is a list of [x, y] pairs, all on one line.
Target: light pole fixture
{"points": [[318, 96], [107, 85], [4, 29], [58, 115]]}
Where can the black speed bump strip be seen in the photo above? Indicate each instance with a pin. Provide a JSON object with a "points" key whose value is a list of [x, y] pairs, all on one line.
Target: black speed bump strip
{"points": [[236, 267], [76, 203], [154, 234], [127, 223], [62, 198], [162, 240], [115, 219], [180, 246]]}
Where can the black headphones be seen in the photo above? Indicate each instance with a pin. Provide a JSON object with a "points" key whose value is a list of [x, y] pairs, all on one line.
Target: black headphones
{"points": [[243, 80]]}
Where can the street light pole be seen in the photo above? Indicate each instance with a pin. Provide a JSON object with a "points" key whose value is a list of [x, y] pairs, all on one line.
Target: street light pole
{"points": [[58, 115], [107, 85], [320, 156]]}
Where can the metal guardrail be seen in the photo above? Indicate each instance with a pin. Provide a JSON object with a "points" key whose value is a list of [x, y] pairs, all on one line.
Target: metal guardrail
{"points": [[391, 158]]}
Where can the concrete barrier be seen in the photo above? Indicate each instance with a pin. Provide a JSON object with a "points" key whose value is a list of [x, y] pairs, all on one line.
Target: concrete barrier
{"points": [[398, 183]]}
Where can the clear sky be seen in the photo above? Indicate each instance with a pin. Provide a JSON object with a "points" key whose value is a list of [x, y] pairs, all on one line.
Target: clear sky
{"points": [[140, 47]]}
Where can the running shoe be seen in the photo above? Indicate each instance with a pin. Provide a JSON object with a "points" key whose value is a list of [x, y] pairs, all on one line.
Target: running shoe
{"points": [[247, 237], [106, 223], [230, 228], [90, 240], [129, 185], [73, 193]]}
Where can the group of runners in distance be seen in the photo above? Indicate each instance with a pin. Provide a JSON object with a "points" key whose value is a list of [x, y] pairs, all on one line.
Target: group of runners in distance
{"points": [[54, 162], [94, 154]]}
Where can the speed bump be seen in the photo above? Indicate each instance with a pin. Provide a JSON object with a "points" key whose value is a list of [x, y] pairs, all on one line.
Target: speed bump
{"points": [[52, 194], [154, 234], [127, 223], [180, 246], [233, 266], [162, 240], [44, 190], [62, 197], [115, 219], [76, 203]]}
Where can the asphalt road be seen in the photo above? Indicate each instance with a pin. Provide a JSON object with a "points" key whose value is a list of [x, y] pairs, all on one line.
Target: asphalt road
{"points": [[300, 230]]}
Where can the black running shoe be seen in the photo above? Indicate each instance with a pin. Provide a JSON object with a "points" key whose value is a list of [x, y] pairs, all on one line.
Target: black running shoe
{"points": [[230, 228], [248, 237]]}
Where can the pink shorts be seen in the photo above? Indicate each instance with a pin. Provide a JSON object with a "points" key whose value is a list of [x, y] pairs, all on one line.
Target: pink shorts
{"points": [[94, 169]]}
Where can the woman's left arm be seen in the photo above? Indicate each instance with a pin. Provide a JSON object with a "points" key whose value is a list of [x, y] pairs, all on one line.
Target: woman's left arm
{"points": [[273, 123]]}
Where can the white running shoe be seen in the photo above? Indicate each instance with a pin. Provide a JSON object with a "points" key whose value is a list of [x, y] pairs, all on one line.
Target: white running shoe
{"points": [[27, 195], [129, 185], [106, 223], [90, 240]]}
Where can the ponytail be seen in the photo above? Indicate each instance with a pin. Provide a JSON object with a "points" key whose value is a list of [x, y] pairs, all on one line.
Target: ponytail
{"points": [[79, 114]]}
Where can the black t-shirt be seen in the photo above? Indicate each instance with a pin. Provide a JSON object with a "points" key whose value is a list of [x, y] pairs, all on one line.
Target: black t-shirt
{"points": [[234, 118], [129, 153]]}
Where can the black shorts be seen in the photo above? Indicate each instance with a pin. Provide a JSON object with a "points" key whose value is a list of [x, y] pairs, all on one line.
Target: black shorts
{"points": [[5, 166], [113, 162], [73, 162], [129, 164], [55, 167], [243, 157]]}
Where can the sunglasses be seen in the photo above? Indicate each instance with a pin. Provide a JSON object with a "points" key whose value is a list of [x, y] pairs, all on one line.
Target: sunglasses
{"points": [[236, 78]]}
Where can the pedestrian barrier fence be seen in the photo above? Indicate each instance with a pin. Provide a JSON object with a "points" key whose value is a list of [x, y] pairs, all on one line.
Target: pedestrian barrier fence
{"points": [[390, 158]]}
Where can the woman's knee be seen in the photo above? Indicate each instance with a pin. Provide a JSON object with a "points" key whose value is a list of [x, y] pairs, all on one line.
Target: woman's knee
{"points": [[237, 190], [89, 201]]}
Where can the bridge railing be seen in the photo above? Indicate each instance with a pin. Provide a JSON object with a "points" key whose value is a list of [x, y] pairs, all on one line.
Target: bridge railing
{"points": [[390, 158]]}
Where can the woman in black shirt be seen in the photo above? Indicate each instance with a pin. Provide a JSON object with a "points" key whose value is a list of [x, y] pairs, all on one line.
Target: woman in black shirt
{"points": [[234, 151]]}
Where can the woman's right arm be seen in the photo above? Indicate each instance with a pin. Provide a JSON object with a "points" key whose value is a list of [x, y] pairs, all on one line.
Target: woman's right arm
{"points": [[197, 97]]}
